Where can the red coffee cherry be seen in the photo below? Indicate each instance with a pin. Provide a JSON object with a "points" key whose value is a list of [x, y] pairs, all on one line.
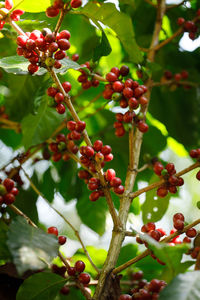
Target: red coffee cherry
{"points": [[64, 34], [178, 224], [198, 176], [52, 230], [75, 3], [124, 70], [191, 232], [59, 97], [162, 192], [111, 77], [142, 126], [62, 239], [9, 198], [79, 266], [60, 108], [98, 145], [110, 174], [178, 216], [65, 290], [94, 196], [52, 12], [71, 271], [9, 184], [84, 278], [125, 297], [119, 189], [80, 126], [63, 44], [106, 150]]}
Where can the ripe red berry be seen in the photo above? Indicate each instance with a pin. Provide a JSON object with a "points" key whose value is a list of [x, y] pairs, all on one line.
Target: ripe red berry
{"points": [[143, 100], [63, 44], [71, 271], [84, 278], [21, 40], [75, 135], [177, 77], [71, 125], [162, 192], [142, 126], [62, 239], [53, 47], [108, 157], [198, 176], [158, 167], [120, 131], [67, 86], [184, 74], [110, 174], [56, 157], [124, 70], [75, 57], [115, 182], [64, 34], [65, 290], [133, 103], [53, 147], [186, 240], [80, 126], [52, 230], [180, 21], [191, 232], [57, 64], [60, 108], [59, 97], [123, 103], [32, 68], [111, 77], [9, 198], [118, 86], [79, 266], [98, 145], [83, 174], [178, 216], [52, 12], [75, 3], [119, 189], [138, 92], [94, 196], [127, 92], [9, 184], [170, 168], [178, 224], [89, 151], [128, 117], [116, 71], [125, 297], [8, 4], [155, 234], [106, 150], [60, 55], [58, 4], [168, 74], [30, 44], [155, 285], [173, 180], [14, 191]]}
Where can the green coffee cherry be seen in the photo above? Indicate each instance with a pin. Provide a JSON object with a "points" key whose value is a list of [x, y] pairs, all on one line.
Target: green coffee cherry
{"points": [[116, 96], [2, 190], [49, 61], [140, 116]]}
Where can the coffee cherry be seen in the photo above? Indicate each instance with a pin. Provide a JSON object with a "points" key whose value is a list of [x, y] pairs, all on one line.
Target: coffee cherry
{"points": [[71, 125], [191, 232], [9, 198], [120, 131], [75, 135], [111, 77], [123, 103], [138, 92], [62, 239], [98, 145], [133, 103], [60, 108], [59, 97], [118, 86], [75, 3], [143, 100], [178, 216], [116, 71], [124, 70], [52, 230], [116, 96], [178, 224], [170, 168], [30, 44], [53, 147], [52, 12], [155, 285], [142, 126], [83, 174], [63, 44], [80, 126], [60, 55], [180, 21], [64, 34], [65, 290], [8, 4], [58, 4], [79, 266], [99, 157], [89, 151], [9, 184], [128, 92], [177, 77], [32, 68], [184, 74], [21, 40], [110, 174], [162, 192], [94, 196], [155, 234], [14, 191], [198, 176], [125, 297], [115, 182], [84, 278], [71, 271], [67, 86], [158, 167], [173, 180], [106, 150], [186, 240], [128, 117], [119, 189], [57, 64], [75, 57], [53, 47], [108, 157]]}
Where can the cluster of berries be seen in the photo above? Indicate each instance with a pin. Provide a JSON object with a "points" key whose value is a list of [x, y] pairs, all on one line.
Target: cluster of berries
{"points": [[195, 153], [86, 79], [61, 238], [143, 289], [3, 115], [171, 180], [58, 96], [53, 11], [43, 48], [156, 234], [190, 26], [132, 118], [4, 12], [168, 75], [8, 191]]}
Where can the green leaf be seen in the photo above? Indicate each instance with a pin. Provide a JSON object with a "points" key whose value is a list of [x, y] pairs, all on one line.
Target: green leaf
{"points": [[92, 214], [66, 65], [40, 286], [170, 255], [18, 65], [183, 287], [127, 252], [37, 128], [103, 49], [154, 207], [33, 6], [31, 247], [107, 14], [4, 251], [10, 138]]}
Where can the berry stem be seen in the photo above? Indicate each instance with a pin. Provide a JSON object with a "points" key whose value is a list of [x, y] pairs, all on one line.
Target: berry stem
{"points": [[17, 28], [61, 18]]}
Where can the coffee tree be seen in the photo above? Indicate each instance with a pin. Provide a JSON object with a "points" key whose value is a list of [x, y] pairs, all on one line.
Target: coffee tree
{"points": [[96, 93]]}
